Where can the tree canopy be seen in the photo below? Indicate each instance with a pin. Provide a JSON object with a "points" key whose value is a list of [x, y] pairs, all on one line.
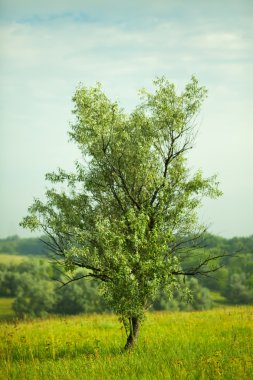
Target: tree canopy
{"points": [[128, 213]]}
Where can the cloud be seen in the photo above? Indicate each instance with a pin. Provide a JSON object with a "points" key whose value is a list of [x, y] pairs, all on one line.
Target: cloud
{"points": [[137, 14], [46, 51], [218, 40], [28, 45]]}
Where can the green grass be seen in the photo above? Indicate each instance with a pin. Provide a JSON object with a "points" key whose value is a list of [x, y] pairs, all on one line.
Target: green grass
{"points": [[215, 344], [6, 258], [218, 299], [6, 311]]}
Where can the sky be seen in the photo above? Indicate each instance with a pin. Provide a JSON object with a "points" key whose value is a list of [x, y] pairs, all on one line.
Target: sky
{"points": [[47, 48]]}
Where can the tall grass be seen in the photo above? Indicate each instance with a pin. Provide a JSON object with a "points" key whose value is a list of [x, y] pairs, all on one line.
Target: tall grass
{"points": [[215, 344]]}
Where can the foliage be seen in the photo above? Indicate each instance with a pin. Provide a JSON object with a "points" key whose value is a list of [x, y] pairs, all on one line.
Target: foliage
{"points": [[9, 282], [34, 298], [32, 288], [79, 297], [240, 289], [127, 211], [25, 246], [14, 246], [200, 298], [37, 292], [234, 245], [232, 284], [235, 279], [12, 275]]}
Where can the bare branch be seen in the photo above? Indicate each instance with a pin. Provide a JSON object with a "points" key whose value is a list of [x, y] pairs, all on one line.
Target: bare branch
{"points": [[197, 270], [72, 280], [101, 277]]}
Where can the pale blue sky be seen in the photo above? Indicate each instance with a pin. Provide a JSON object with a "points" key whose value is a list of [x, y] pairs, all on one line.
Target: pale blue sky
{"points": [[47, 48]]}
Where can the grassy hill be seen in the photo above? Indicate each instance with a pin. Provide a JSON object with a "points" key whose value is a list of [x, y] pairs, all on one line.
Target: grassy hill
{"points": [[6, 312], [6, 258], [214, 344]]}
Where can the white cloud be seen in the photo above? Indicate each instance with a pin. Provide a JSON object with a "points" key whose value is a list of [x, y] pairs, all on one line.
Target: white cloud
{"points": [[222, 40]]}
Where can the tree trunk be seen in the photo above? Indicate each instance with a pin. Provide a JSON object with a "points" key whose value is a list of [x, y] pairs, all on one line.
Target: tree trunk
{"points": [[134, 324]]}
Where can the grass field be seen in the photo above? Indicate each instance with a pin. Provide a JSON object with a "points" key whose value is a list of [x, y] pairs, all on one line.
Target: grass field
{"points": [[215, 344], [6, 311], [6, 258]]}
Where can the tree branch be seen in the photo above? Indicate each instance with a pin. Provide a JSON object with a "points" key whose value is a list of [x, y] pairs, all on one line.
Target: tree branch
{"points": [[101, 277], [197, 270]]}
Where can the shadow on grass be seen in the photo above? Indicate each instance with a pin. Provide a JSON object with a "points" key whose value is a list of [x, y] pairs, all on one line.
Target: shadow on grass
{"points": [[69, 351]]}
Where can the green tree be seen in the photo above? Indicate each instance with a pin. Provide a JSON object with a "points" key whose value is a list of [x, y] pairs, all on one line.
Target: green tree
{"points": [[239, 290], [35, 297], [200, 298], [9, 283], [79, 297], [128, 212]]}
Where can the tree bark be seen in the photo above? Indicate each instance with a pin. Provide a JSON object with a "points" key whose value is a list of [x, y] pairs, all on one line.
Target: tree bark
{"points": [[134, 324]]}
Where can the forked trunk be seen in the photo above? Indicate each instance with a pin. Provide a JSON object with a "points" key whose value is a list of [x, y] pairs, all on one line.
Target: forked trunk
{"points": [[134, 328]]}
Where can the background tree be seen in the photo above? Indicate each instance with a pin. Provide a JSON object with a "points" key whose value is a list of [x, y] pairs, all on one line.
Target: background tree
{"points": [[79, 297], [128, 212], [34, 297], [200, 298], [239, 289]]}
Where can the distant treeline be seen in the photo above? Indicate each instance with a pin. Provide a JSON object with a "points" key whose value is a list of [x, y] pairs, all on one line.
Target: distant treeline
{"points": [[36, 247], [232, 246], [37, 288], [34, 283], [14, 245]]}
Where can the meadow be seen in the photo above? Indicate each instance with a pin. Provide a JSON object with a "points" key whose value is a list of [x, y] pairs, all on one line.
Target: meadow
{"points": [[213, 344], [6, 312], [12, 259]]}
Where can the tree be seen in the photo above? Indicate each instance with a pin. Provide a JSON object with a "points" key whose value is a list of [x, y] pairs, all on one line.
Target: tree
{"points": [[34, 298], [239, 289], [200, 298], [79, 297], [128, 212]]}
